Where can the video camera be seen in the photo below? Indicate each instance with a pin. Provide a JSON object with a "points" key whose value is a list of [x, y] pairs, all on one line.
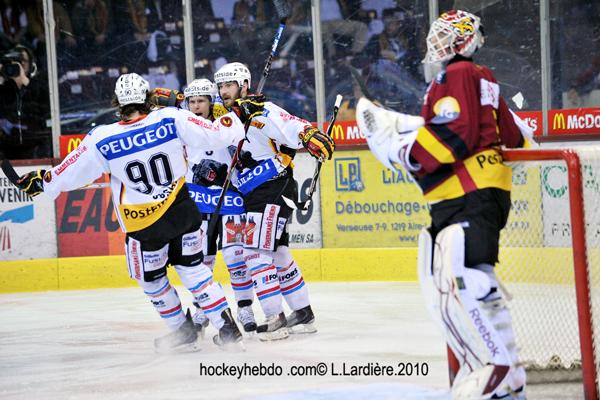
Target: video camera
{"points": [[11, 64]]}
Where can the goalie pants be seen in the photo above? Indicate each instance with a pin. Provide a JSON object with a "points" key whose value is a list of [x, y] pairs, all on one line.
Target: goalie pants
{"points": [[274, 272], [482, 214], [176, 239]]}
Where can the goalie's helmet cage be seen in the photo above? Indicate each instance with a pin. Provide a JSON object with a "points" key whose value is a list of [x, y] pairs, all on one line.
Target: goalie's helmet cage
{"points": [[233, 72], [454, 32], [131, 89], [201, 87]]}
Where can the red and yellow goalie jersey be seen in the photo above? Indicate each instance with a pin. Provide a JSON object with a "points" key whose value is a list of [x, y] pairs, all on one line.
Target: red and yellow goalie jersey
{"points": [[466, 122]]}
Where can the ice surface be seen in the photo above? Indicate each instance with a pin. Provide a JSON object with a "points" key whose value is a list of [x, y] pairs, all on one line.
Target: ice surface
{"points": [[98, 344]]}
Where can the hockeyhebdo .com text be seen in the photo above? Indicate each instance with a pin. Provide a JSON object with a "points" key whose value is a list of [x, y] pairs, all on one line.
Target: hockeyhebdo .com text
{"points": [[382, 207], [341, 369]]}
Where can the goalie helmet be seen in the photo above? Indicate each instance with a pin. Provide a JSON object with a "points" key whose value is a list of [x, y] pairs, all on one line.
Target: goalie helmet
{"points": [[201, 87], [455, 32], [131, 89], [233, 72]]}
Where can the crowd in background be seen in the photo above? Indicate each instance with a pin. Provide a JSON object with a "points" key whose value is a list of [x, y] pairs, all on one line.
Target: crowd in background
{"points": [[382, 40]]}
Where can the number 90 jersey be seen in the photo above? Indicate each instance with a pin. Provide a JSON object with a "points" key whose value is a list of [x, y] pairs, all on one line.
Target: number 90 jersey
{"points": [[145, 158]]}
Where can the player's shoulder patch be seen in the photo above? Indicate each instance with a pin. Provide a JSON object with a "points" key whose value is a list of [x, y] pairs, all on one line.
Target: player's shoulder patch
{"points": [[226, 121], [490, 93], [446, 110]]}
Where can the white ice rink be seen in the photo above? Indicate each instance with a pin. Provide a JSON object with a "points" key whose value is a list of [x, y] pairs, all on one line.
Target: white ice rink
{"points": [[98, 344]]}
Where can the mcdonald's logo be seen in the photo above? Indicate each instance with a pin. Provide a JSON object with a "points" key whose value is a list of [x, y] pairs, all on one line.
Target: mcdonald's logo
{"points": [[337, 132], [73, 144], [559, 121]]}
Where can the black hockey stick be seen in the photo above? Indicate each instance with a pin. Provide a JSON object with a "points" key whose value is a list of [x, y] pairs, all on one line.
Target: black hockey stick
{"points": [[283, 12], [8, 170], [361, 82], [313, 184]]}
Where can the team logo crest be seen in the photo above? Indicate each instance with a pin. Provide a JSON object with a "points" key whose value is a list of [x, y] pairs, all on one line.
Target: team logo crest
{"points": [[234, 229], [226, 121]]}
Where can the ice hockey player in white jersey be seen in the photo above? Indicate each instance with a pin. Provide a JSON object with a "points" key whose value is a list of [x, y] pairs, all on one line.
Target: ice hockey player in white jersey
{"points": [[144, 155], [206, 175], [264, 175]]}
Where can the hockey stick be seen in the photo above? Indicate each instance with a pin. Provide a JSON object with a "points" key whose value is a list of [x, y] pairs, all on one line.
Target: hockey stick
{"points": [[283, 11], [313, 184], [8, 170], [361, 83]]}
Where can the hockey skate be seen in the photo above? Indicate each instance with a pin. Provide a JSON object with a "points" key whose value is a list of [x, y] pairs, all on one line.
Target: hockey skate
{"points": [[274, 328], [301, 321], [200, 321], [246, 317], [229, 337], [182, 340]]}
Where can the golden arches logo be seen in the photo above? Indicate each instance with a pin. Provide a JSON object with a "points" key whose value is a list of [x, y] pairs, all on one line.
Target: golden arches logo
{"points": [[337, 132], [559, 121], [73, 144]]}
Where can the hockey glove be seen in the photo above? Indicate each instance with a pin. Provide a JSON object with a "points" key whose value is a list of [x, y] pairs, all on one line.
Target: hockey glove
{"points": [[161, 97], [249, 107], [318, 145], [32, 182], [209, 172]]}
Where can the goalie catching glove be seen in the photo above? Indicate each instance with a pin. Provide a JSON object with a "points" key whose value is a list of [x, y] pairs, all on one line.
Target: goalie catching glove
{"points": [[249, 107], [318, 145], [32, 182], [162, 97], [390, 135]]}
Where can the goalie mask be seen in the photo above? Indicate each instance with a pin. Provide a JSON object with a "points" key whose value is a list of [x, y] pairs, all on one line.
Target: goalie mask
{"points": [[233, 72], [131, 89], [454, 33], [201, 87]]}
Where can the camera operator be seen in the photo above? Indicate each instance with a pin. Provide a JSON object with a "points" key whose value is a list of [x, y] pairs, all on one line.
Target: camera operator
{"points": [[24, 107]]}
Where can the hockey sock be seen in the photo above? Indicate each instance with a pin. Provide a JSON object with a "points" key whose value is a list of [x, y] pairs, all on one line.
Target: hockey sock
{"points": [[209, 295], [266, 282], [293, 288], [209, 261], [165, 299], [241, 281]]}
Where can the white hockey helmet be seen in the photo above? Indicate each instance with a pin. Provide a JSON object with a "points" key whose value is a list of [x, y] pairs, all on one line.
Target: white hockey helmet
{"points": [[454, 32], [201, 87], [131, 89], [233, 72]]}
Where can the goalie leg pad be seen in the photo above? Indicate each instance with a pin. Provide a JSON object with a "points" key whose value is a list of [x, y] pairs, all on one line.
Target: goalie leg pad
{"points": [[457, 291]]}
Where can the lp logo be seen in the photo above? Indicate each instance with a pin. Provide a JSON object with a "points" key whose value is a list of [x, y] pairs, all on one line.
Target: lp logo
{"points": [[347, 175]]}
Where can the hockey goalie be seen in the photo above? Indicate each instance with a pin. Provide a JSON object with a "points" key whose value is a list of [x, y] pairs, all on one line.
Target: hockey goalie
{"points": [[453, 152]]}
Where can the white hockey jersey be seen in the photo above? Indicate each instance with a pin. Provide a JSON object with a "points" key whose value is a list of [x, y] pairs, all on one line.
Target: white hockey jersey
{"points": [[145, 159], [266, 135]]}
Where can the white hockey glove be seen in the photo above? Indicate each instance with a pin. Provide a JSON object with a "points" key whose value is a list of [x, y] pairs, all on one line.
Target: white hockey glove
{"points": [[390, 135]]}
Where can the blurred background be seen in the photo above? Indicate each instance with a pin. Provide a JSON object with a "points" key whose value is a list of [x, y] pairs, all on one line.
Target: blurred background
{"points": [[546, 52]]}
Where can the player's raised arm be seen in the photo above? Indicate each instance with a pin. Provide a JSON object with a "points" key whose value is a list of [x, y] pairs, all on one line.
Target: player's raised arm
{"points": [[196, 131], [80, 167]]}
